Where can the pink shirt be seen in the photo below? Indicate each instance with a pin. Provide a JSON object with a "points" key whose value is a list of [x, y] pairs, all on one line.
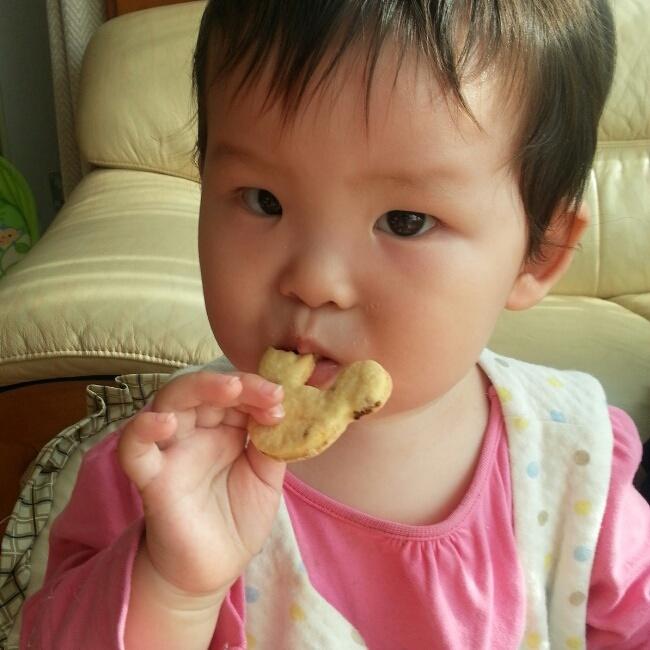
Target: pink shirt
{"points": [[455, 584]]}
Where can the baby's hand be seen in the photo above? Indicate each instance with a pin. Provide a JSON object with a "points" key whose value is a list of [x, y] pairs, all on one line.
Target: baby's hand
{"points": [[209, 501]]}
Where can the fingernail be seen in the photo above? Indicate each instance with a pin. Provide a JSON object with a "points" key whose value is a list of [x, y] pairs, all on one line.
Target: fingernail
{"points": [[272, 390], [163, 417], [277, 411], [232, 381]]}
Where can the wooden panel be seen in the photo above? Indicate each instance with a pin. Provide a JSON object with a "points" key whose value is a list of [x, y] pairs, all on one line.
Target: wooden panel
{"points": [[119, 7], [30, 415]]}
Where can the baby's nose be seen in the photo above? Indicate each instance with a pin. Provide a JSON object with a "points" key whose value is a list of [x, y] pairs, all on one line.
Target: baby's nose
{"points": [[320, 275]]}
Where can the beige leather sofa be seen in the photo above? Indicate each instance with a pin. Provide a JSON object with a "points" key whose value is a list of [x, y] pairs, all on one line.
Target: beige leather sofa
{"points": [[114, 287]]}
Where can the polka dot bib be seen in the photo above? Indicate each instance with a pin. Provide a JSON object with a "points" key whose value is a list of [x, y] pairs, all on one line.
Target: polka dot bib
{"points": [[560, 442], [560, 445]]}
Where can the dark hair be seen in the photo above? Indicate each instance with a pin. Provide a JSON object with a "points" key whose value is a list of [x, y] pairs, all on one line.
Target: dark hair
{"points": [[557, 55]]}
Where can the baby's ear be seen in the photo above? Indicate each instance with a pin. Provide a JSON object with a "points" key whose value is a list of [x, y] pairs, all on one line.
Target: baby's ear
{"points": [[537, 276]]}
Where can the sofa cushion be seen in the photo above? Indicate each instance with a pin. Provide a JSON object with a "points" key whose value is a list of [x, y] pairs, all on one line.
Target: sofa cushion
{"points": [[136, 109], [113, 286], [614, 256], [588, 334], [612, 259], [638, 303], [627, 113]]}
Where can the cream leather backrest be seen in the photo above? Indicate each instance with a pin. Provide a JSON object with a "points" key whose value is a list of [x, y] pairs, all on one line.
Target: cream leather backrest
{"points": [[136, 108], [615, 260], [136, 112]]}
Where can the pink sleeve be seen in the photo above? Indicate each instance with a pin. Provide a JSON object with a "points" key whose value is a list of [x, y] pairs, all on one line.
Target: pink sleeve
{"points": [[618, 614], [92, 546], [84, 598]]}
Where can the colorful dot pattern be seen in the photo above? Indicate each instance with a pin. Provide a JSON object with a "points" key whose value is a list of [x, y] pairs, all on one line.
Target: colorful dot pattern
{"points": [[251, 594], [281, 603], [559, 490]]}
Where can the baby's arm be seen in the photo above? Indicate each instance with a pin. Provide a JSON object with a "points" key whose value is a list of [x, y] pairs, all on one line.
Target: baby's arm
{"points": [[86, 593], [88, 599], [209, 502], [618, 613]]}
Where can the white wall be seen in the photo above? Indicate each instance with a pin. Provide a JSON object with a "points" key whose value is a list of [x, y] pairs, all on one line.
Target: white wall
{"points": [[29, 130]]}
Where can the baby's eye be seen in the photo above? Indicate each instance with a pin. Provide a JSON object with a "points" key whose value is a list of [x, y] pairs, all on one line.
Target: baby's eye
{"points": [[261, 202], [404, 223]]}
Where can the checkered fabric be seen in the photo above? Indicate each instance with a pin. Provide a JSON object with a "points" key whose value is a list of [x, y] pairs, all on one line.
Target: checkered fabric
{"points": [[107, 407]]}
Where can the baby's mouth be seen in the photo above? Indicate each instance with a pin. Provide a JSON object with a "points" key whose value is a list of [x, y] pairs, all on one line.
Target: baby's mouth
{"points": [[325, 369], [324, 374]]}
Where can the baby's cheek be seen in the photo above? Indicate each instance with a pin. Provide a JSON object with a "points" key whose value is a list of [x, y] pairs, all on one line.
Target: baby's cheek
{"points": [[239, 345]]}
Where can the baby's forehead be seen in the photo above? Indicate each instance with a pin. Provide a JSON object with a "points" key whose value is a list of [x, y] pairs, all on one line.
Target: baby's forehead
{"points": [[408, 121], [403, 89]]}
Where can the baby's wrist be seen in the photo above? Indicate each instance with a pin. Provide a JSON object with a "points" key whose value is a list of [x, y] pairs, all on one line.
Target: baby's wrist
{"points": [[170, 596], [162, 616]]}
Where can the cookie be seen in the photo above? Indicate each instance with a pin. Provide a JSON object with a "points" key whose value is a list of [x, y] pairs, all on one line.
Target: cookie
{"points": [[316, 418]]}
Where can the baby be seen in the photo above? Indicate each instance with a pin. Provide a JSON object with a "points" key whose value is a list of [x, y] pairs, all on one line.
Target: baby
{"points": [[380, 180]]}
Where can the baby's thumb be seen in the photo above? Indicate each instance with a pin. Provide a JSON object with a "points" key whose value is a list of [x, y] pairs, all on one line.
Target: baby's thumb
{"points": [[139, 455]]}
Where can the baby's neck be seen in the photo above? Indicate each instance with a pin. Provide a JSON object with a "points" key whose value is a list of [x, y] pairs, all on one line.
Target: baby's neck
{"points": [[414, 468]]}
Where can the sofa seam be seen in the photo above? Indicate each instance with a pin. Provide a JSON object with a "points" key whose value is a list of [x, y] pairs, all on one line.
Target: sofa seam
{"points": [[598, 239], [632, 143], [111, 164], [93, 353]]}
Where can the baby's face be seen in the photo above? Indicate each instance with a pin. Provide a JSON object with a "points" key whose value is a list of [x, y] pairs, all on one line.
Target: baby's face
{"points": [[398, 242]]}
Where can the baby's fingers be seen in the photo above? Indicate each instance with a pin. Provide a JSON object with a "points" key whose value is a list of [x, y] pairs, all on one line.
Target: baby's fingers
{"points": [[138, 452], [257, 397], [197, 388], [268, 416], [259, 393]]}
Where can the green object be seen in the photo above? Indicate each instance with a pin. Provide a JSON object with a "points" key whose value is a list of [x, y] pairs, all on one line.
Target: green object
{"points": [[18, 216]]}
